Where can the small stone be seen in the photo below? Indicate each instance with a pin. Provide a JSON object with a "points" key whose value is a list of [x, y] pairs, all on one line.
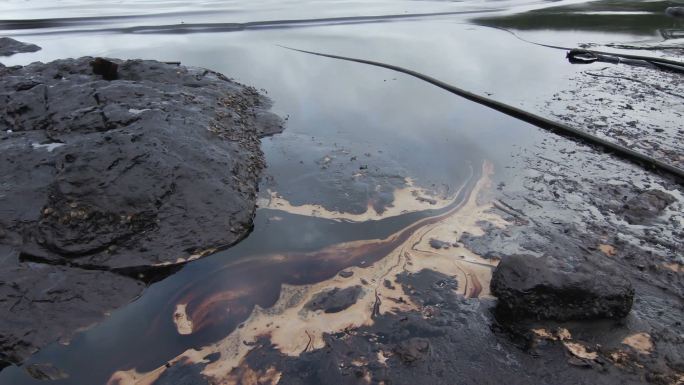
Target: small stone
{"points": [[437, 244], [646, 206], [335, 300], [346, 274], [9, 47]]}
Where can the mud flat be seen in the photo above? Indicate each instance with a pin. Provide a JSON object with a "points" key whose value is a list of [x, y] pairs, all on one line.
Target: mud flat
{"points": [[591, 213], [406, 309], [112, 174], [357, 283]]}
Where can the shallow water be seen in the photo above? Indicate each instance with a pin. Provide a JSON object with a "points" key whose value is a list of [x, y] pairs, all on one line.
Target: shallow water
{"points": [[354, 133]]}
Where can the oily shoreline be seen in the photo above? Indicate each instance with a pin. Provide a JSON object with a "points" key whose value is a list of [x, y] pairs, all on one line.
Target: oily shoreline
{"points": [[560, 200], [113, 175], [294, 318]]}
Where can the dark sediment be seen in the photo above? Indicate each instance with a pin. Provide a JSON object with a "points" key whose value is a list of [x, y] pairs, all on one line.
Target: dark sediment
{"points": [[9, 47], [583, 220], [449, 341], [107, 184]]}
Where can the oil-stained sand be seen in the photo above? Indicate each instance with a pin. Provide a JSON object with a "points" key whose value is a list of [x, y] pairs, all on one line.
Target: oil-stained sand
{"points": [[374, 266], [404, 200]]}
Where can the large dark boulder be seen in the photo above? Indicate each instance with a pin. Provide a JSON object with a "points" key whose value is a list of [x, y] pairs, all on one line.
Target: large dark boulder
{"points": [[538, 288], [111, 174], [150, 169], [9, 47], [675, 11]]}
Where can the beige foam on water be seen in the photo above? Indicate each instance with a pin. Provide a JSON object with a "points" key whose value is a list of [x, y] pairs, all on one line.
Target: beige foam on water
{"points": [[407, 199]]}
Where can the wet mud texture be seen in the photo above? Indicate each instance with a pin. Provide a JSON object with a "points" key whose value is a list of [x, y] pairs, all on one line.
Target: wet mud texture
{"points": [[640, 108], [450, 340], [588, 210], [594, 216], [107, 185], [9, 47]]}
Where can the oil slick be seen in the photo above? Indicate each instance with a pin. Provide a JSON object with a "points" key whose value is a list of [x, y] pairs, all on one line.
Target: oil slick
{"points": [[181, 320], [407, 199], [291, 324], [641, 342]]}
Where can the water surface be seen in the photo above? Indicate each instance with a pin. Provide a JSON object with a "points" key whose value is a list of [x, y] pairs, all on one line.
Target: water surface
{"points": [[354, 133]]}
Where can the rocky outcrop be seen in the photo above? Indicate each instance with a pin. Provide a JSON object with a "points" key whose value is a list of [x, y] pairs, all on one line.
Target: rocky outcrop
{"points": [[9, 47], [538, 288], [105, 184]]}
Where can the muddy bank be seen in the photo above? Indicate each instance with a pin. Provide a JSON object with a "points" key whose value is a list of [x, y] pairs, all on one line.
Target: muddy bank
{"points": [[640, 108], [424, 314], [298, 311], [112, 174], [606, 217], [589, 211], [555, 211], [447, 340]]}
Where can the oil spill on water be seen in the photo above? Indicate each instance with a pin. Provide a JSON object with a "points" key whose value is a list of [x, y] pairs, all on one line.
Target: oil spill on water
{"points": [[265, 282], [279, 304], [314, 246]]}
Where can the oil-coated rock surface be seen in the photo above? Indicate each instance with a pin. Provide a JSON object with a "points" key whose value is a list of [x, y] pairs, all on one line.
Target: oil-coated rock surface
{"points": [[107, 184], [528, 286]]}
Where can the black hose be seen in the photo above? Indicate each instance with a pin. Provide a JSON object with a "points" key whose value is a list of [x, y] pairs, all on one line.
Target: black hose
{"points": [[667, 64], [663, 64], [645, 161]]}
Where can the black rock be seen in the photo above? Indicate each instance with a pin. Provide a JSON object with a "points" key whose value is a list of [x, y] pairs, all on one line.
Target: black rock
{"points": [[537, 288], [9, 47], [105, 186], [675, 11], [345, 273], [42, 303], [335, 300], [146, 171], [106, 68]]}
